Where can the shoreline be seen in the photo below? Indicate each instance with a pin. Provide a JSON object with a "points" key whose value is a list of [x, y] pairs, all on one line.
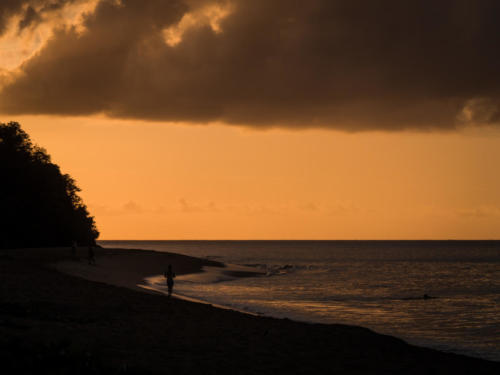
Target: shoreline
{"points": [[128, 267], [42, 309], [144, 282], [198, 301], [120, 267], [131, 267], [130, 271], [211, 272]]}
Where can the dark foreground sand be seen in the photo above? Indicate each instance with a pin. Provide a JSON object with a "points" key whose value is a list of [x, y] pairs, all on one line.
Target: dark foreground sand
{"points": [[55, 323]]}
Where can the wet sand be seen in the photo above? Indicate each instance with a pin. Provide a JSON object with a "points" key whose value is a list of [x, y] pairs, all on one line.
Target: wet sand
{"points": [[128, 268], [54, 322]]}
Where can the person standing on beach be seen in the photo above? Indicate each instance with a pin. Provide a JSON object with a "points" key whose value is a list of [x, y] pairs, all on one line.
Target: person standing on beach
{"points": [[170, 275], [73, 249], [91, 255]]}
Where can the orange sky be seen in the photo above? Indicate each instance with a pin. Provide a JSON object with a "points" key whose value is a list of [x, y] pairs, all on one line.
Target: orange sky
{"points": [[165, 181], [366, 76]]}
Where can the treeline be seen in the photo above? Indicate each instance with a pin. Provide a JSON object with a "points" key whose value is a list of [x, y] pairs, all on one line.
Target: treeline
{"points": [[39, 206]]}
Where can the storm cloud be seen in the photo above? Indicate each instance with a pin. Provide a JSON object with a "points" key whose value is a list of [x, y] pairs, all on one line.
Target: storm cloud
{"points": [[341, 64], [29, 12]]}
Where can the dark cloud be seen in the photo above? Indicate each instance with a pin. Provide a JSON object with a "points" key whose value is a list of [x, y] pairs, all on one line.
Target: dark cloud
{"points": [[30, 11], [333, 63], [7, 9], [30, 17]]}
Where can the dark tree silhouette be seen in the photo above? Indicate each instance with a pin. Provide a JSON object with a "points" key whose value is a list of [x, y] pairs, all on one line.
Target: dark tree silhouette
{"points": [[39, 206]]}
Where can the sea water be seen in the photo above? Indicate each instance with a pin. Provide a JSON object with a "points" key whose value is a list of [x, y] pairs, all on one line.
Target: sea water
{"points": [[375, 284]]}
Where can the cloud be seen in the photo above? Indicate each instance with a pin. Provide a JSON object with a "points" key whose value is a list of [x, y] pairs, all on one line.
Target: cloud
{"points": [[188, 207], [310, 206], [128, 208], [31, 16], [26, 26], [30, 12], [132, 207], [351, 65], [482, 212], [7, 9]]}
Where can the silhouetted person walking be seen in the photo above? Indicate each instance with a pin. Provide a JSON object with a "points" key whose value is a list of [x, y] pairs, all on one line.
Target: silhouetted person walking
{"points": [[170, 275], [91, 255], [73, 249]]}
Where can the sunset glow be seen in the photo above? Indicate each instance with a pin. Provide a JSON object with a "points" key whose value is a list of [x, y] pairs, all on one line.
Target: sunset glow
{"points": [[262, 120], [18, 44], [179, 181], [210, 15]]}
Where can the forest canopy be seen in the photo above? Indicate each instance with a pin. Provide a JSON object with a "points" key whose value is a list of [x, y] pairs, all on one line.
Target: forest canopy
{"points": [[39, 206]]}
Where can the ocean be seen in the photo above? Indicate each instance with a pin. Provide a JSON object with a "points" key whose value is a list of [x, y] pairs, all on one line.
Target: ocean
{"points": [[375, 284]]}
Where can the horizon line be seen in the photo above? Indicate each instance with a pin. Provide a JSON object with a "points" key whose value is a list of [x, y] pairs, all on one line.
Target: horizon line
{"points": [[401, 239]]}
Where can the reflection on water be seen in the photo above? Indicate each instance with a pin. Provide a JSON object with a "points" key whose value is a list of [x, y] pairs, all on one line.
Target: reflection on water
{"points": [[377, 285]]}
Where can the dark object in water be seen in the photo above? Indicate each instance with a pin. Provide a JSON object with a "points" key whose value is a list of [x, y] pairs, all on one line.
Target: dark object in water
{"points": [[425, 297]]}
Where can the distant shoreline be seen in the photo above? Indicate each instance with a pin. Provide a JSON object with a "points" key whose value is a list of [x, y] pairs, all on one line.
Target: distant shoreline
{"points": [[305, 240]]}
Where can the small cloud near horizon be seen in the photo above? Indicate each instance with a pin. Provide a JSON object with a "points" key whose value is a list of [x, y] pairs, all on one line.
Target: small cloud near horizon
{"points": [[482, 212], [132, 207], [189, 207]]}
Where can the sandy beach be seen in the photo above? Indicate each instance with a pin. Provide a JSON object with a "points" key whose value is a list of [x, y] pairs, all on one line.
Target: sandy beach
{"points": [[60, 315], [128, 268]]}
